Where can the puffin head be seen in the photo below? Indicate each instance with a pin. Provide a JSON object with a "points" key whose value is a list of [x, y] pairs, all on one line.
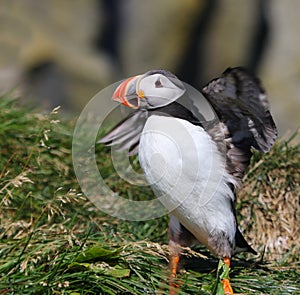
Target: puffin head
{"points": [[156, 88]]}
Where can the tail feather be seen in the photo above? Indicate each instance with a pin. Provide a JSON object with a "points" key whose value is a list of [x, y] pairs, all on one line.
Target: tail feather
{"points": [[241, 244]]}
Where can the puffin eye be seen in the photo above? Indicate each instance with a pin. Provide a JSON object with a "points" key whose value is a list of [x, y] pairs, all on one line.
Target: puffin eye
{"points": [[158, 84]]}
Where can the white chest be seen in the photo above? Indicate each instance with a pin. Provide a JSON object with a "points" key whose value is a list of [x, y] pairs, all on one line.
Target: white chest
{"points": [[187, 173]]}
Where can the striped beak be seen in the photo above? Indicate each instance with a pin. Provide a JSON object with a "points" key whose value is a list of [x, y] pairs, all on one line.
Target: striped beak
{"points": [[127, 92]]}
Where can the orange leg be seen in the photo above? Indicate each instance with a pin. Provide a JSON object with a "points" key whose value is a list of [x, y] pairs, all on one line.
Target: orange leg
{"points": [[174, 261], [227, 261], [226, 284]]}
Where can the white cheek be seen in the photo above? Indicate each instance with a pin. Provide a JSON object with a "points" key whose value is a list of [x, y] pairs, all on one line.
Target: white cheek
{"points": [[159, 96], [162, 96]]}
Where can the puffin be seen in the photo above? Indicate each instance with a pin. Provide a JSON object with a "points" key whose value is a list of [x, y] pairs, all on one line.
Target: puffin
{"points": [[195, 166]]}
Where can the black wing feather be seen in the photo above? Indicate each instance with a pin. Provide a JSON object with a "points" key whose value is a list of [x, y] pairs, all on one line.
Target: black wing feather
{"points": [[245, 119], [126, 134]]}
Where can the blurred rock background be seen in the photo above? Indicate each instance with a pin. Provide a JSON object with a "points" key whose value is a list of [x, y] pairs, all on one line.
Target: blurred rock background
{"points": [[62, 52]]}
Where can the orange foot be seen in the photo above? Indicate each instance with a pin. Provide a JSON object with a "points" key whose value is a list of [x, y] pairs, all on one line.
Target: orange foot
{"points": [[227, 287], [226, 284], [174, 260]]}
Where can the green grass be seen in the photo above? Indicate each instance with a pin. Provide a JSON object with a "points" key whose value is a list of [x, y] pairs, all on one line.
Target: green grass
{"points": [[54, 241]]}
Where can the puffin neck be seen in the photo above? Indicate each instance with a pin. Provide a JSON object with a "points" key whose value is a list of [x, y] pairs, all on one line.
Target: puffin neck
{"points": [[177, 110]]}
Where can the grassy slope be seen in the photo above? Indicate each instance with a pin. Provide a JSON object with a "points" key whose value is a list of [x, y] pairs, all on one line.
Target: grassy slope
{"points": [[46, 224]]}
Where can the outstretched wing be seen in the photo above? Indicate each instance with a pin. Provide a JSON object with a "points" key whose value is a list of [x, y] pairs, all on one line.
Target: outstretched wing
{"points": [[126, 135], [245, 119]]}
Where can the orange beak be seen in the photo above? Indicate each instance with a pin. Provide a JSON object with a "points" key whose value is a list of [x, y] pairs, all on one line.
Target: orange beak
{"points": [[126, 92]]}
